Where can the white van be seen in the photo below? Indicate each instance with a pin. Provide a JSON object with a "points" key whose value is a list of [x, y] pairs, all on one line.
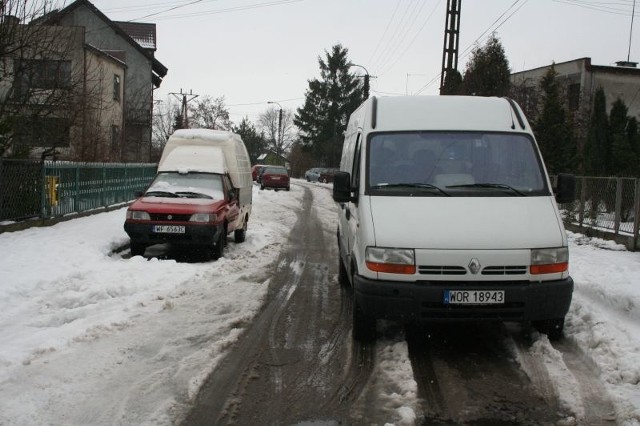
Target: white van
{"points": [[447, 214]]}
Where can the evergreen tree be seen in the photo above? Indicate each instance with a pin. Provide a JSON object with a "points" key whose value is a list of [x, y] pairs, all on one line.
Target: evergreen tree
{"points": [[623, 139], [487, 72], [553, 128], [452, 83], [597, 149], [329, 102], [633, 134], [253, 140]]}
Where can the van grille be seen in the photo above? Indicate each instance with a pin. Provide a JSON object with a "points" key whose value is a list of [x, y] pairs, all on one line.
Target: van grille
{"points": [[174, 217], [504, 270], [442, 270]]}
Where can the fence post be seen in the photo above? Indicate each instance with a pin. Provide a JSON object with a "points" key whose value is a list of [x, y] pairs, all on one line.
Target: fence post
{"points": [[616, 226], [43, 191], [583, 200], [103, 198], [636, 215]]}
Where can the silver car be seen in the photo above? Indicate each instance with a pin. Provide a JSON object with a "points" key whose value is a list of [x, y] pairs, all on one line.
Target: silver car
{"points": [[313, 174]]}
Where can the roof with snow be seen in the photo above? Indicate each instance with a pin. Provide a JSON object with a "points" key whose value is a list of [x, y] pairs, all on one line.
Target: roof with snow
{"points": [[143, 33]]}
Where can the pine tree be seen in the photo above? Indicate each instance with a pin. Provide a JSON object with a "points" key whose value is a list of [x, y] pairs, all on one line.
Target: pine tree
{"points": [[452, 83], [633, 133], [253, 140], [487, 72], [553, 128], [597, 149], [329, 102]]}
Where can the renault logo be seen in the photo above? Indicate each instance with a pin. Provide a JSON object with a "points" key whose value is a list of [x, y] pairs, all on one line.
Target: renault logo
{"points": [[474, 266]]}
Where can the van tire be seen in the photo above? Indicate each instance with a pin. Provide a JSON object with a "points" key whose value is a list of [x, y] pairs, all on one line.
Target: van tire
{"points": [[553, 328], [364, 327], [239, 235], [218, 248], [137, 249]]}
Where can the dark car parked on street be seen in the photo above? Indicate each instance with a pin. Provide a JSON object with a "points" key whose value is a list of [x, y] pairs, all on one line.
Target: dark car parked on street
{"points": [[276, 177], [327, 175]]}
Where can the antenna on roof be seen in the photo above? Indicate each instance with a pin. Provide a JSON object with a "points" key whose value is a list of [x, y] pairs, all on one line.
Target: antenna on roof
{"points": [[633, 13]]}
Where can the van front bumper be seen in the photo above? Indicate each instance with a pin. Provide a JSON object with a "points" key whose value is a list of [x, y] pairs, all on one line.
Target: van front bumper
{"points": [[423, 301], [142, 233]]}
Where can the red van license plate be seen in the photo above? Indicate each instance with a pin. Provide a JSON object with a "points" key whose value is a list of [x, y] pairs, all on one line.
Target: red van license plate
{"points": [[473, 297], [168, 229]]}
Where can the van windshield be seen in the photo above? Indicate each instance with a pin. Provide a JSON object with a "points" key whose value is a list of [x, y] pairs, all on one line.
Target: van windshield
{"points": [[454, 164], [186, 185]]}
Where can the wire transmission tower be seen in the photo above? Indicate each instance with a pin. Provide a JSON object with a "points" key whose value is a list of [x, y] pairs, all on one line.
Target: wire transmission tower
{"points": [[451, 40], [186, 98]]}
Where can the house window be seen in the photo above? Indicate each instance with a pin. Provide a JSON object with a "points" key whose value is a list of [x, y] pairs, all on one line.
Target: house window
{"points": [[116, 87], [45, 74]]}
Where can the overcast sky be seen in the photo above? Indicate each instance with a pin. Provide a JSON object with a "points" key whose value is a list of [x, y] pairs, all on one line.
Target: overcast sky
{"points": [[254, 51]]}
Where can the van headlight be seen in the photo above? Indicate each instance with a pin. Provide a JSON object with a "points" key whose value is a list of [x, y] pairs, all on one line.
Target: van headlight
{"points": [[391, 260], [549, 260], [138, 215], [203, 217]]}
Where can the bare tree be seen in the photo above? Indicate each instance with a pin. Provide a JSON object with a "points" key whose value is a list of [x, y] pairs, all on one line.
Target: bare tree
{"points": [[164, 115], [279, 135], [210, 113]]}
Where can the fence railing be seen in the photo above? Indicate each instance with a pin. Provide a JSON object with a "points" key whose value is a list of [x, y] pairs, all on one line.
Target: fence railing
{"points": [[37, 189], [606, 207]]}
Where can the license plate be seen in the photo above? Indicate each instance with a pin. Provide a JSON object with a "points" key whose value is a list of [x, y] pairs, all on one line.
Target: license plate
{"points": [[168, 229], [473, 297]]}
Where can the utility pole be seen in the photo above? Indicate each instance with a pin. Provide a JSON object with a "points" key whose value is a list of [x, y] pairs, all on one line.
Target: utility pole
{"points": [[366, 80], [186, 98], [451, 40]]}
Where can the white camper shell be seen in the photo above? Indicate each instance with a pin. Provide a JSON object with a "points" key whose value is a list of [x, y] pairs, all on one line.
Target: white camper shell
{"points": [[448, 214], [210, 151]]}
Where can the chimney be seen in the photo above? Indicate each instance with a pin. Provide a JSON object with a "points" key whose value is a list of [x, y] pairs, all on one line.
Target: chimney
{"points": [[627, 64]]}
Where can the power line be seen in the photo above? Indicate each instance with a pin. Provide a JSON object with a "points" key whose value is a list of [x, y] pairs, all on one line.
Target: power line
{"points": [[392, 40], [412, 40], [490, 28]]}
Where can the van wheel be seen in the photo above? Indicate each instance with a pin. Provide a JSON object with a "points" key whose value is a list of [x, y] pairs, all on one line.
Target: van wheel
{"points": [[137, 249], [261, 187], [364, 327], [239, 235], [553, 328], [218, 249]]}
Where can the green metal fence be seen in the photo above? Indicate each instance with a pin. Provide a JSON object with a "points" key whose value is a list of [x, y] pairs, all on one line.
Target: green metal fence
{"points": [[36, 189]]}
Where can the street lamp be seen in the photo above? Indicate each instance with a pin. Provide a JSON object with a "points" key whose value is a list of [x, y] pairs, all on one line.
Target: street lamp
{"points": [[366, 79], [279, 128]]}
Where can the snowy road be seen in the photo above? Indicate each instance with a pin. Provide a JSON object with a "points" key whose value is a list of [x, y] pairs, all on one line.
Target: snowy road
{"points": [[93, 337]]}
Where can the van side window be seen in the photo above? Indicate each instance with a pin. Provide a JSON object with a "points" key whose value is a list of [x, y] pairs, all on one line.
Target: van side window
{"points": [[355, 170]]}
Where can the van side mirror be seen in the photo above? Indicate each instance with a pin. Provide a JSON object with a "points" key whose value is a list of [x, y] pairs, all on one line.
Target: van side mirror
{"points": [[565, 188], [138, 194], [342, 191]]}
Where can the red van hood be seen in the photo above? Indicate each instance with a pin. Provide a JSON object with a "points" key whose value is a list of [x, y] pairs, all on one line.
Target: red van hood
{"points": [[177, 205]]}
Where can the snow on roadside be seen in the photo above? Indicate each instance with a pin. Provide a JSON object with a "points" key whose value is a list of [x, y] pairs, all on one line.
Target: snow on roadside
{"points": [[603, 323], [91, 338]]}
